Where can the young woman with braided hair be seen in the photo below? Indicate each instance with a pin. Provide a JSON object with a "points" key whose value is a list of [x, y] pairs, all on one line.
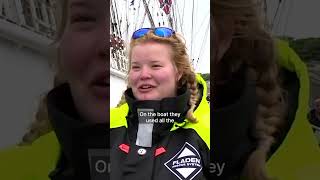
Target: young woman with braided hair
{"points": [[181, 64], [161, 83], [259, 99]]}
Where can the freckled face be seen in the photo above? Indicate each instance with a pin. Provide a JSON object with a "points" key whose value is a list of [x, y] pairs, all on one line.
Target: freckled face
{"points": [[152, 75]]}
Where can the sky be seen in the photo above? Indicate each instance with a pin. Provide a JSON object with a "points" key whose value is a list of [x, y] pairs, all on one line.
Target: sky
{"points": [[199, 37], [201, 31], [298, 18]]}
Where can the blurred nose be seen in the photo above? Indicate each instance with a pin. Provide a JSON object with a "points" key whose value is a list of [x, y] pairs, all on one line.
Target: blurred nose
{"points": [[102, 48], [145, 73], [102, 40]]}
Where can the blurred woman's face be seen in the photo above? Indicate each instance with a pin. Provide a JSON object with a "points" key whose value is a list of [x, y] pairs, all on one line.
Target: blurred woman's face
{"points": [[84, 57], [152, 74]]}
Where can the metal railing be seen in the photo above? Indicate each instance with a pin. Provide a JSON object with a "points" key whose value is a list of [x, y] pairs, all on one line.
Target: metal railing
{"points": [[34, 15], [118, 58], [119, 61]]}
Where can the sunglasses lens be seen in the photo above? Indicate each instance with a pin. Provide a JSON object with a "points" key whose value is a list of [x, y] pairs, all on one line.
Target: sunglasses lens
{"points": [[163, 32], [160, 31], [139, 33]]}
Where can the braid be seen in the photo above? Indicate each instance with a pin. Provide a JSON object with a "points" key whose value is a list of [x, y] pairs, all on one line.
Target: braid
{"points": [[40, 126], [122, 100], [194, 97], [270, 117], [259, 55], [253, 46], [271, 110]]}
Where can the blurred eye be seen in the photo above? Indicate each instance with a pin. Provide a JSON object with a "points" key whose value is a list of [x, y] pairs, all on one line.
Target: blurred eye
{"points": [[82, 19], [135, 67], [156, 66]]}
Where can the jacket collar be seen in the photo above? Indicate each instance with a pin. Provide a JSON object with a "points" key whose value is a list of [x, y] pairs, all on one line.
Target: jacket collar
{"points": [[161, 109], [202, 113], [178, 104]]}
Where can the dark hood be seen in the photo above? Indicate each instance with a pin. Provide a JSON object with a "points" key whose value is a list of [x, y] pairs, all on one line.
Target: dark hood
{"points": [[75, 136]]}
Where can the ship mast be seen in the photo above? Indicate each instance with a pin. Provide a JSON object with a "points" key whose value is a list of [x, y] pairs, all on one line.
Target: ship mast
{"points": [[148, 13]]}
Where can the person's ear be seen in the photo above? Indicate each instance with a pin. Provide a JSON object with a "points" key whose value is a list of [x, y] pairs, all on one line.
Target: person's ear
{"points": [[223, 33]]}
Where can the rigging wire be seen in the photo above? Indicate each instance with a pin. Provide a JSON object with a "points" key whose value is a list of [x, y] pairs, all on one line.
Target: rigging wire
{"points": [[203, 21], [184, 3], [146, 7], [265, 10], [161, 14], [113, 19], [291, 5], [282, 11], [275, 15], [192, 29], [118, 23], [127, 25], [156, 20], [179, 18], [137, 16], [173, 12], [203, 44]]}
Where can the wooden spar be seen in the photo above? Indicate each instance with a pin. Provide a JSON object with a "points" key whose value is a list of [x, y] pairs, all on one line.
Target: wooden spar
{"points": [[148, 13]]}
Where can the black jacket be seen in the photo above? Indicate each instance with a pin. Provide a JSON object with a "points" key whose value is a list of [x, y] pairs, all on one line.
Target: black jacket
{"points": [[82, 144], [174, 150]]}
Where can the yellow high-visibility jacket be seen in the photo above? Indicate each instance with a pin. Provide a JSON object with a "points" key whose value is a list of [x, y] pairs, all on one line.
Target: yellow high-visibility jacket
{"points": [[38, 160], [298, 157]]}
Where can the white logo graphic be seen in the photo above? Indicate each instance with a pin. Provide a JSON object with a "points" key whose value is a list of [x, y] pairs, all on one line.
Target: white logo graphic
{"points": [[142, 151], [186, 164]]}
